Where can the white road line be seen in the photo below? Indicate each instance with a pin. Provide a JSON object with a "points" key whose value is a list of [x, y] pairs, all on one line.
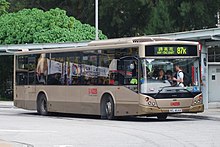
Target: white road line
{"points": [[28, 131], [63, 146]]}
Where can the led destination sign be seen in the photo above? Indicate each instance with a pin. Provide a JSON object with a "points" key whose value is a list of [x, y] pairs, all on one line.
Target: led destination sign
{"points": [[171, 50]]}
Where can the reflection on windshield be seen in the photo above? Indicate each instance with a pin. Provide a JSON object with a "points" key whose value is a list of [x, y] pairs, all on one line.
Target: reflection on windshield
{"points": [[158, 73]]}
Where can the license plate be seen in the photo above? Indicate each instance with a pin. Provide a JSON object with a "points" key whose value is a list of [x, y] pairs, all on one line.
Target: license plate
{"points": [[175, 110]]}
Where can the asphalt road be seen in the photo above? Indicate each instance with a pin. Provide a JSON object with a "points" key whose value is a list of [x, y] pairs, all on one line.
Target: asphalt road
{"points": [[24, 128]]}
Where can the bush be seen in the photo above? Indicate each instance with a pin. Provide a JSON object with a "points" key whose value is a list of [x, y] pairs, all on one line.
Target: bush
{"points": [[37, 26]]}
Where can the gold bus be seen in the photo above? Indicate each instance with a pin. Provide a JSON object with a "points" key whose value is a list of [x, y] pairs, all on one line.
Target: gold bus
{"points": [[110, 78]]}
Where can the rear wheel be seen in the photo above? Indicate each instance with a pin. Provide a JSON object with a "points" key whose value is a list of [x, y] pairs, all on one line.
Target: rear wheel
{"points": [[42, 105], [107, 108], [162, 116]]}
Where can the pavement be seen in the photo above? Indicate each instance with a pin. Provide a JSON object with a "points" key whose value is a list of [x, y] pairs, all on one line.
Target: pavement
{"points": [[213, 113]]}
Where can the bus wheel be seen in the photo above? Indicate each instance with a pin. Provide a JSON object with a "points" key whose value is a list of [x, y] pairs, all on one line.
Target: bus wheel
{"points": [[107, 108], [42, 105], [162, 116]]}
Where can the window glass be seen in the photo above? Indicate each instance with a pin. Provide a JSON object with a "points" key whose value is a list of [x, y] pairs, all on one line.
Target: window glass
{"points": [[159, 73], [22, 70], [214, 54], [89, 68], [99, 67], [104, 60], [64, 68], [42, 68], [25, 70]]}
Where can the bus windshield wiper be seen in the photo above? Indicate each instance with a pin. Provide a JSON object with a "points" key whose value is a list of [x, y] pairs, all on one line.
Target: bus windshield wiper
{"points": [[162, 88]]}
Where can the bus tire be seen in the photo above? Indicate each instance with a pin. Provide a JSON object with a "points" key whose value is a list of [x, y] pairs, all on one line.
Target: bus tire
{"points": [[42, 105], [162, 116], [107, 107]]}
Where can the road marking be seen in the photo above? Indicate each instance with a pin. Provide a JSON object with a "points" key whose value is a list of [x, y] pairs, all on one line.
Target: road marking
{"points": [[63, 146], [28, 131]]}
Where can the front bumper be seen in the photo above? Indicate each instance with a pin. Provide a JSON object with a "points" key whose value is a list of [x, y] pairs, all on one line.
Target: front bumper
{"points": [[145, 110]]}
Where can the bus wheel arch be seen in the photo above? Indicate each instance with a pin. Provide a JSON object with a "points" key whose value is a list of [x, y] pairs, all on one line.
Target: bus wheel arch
{"points": [[107, 107], [42, 108]]}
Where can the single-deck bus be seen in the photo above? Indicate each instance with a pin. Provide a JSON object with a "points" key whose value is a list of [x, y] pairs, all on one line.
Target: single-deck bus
{"points": [[115, 77]]}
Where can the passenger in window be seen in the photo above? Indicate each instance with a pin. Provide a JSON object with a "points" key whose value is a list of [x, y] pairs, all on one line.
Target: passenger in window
{"points": [[169, 77], [100, 81], [155, 73], [75, 81], [161, 75], [179, 76], [55, 79], [112, 79], [133, 67], [112, 82], [134, 80], [93, 81]]}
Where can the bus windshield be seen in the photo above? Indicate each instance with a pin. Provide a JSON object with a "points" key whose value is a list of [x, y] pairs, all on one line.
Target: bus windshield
{"points": [[157, 74]]}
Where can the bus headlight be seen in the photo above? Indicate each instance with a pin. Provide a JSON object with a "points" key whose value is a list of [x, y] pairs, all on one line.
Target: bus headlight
{"points": [[146, 100], [198, 99], [150, 101]]}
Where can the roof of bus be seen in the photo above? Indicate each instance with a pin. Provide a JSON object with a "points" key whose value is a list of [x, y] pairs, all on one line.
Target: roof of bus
{"points": [[120, 42], [127, 40]]}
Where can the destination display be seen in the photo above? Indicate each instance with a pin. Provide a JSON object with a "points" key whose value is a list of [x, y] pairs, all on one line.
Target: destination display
{"points": [[171, 50]]}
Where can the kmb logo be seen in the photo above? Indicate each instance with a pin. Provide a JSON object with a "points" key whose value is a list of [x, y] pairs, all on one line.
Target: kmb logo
{"points": [[93, 91], [174, 103]]}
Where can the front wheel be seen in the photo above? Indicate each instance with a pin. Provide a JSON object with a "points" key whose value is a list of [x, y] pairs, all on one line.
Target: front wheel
{"points": [[162, 116], [107, 108], [42, 105]]}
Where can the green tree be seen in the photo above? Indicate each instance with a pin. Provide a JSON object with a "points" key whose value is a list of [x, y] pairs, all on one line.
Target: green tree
{"points": [[4, 5], [117, 18], [120, 18], [196, 14], [160, 20], [37, 26]]}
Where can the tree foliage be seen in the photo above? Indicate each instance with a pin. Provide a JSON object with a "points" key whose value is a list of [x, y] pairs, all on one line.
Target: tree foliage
{"points": [[4, 5], [37, 26], [119, 18], [160, 20]]}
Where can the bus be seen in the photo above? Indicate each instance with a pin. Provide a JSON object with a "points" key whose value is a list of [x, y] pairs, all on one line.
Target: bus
{"points": [[111, 78]]}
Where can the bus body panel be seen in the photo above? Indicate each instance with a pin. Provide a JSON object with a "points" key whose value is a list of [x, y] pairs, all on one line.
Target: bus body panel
{"points": [[85, 98], [174, 102], [78, 99]]}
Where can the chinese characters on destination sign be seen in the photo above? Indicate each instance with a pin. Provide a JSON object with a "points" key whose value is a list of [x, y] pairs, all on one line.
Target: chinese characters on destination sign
{"points": [[170, 50]]}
